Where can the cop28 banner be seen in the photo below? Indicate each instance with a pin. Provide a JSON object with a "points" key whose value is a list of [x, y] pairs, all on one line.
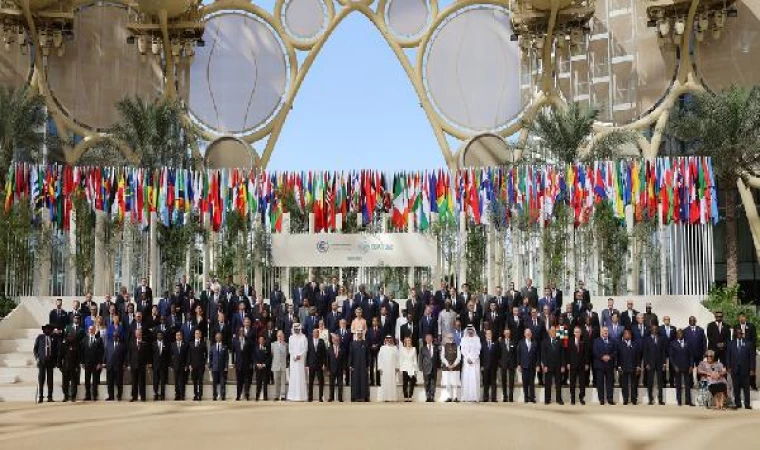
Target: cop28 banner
{"points": [[354, 250]]}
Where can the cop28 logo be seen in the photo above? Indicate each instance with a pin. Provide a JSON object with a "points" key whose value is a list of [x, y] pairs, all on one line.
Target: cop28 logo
{"points": [[323, 246]]}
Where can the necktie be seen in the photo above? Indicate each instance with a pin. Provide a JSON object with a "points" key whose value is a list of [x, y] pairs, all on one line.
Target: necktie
{"points": [[91, 341], [336, 351], [605, 342], [47, 347], [160, 347]]}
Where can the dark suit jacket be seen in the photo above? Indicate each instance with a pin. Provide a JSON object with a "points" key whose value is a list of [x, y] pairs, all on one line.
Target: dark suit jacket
{"points": [[148, 294], [138, 358], [375, 338], [714, 337], [552, 355], [528, 359], [178, 356], [750, 334], [197, 356], [92, 355], [629, 358], [696, 340], [654, 353], [161, 360], [337, 364], [627, 319], [517, 327], [262, 355], [414, 333], [496, 323], [244, 355], [508, 354], [464, 316], [680, 357], [39, 349], [428, 325], [600, 349], [740, 361], [316, 357], [489, 358], [115, 355], [578, 356]]}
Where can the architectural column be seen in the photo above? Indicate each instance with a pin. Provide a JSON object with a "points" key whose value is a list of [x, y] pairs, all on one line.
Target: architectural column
{"points": [[462, 266], [43, 267], [285, 271], [100, 272], [631, 263], [154, 277], [208, 265], [127, 240], [661, 230], [70, 287]]}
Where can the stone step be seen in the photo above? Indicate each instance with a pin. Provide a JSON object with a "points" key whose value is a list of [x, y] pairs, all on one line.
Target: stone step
{"points": [[25, 392], [17, 345], [26, 333], [9, 378], [16, 359]]}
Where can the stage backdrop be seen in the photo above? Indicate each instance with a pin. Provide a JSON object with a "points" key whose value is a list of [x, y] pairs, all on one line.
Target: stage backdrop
{"points": [[354, 250]]}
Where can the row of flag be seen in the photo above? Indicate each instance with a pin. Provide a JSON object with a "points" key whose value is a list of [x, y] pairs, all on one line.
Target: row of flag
{"points": [[677, 190]]}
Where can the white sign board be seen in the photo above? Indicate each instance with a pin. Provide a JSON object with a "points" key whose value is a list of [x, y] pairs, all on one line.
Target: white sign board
{"points": [[354, 250]]}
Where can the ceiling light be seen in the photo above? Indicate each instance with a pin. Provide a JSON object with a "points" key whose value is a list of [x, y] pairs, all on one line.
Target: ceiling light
{"points": [[155, 46], [679, 26], [720, 19], [664, 26], [704, 23]]}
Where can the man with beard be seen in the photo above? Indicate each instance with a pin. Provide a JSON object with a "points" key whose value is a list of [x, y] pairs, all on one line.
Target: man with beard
{"points": [[45, 353]]}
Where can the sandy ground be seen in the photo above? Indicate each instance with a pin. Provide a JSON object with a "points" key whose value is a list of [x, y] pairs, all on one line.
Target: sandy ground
{"points": [[245, 425]]}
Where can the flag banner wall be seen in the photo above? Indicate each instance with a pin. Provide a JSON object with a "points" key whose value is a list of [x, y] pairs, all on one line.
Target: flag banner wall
{"points": [[673, 190], [354, 250]]}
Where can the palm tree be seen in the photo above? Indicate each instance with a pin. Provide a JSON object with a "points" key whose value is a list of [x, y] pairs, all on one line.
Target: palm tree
{"points": [[726, 127], [156, 132], [22, 127], [563, 133]]}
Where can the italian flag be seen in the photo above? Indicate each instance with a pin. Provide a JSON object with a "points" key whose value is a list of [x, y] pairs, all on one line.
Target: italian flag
{"points": [[400, 202]]}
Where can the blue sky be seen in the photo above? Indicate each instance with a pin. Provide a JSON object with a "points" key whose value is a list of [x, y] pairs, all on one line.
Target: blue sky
{"points": [[355, 109]]}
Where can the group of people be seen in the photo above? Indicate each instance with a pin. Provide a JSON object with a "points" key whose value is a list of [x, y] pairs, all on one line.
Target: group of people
{"points": [[363, 339]]}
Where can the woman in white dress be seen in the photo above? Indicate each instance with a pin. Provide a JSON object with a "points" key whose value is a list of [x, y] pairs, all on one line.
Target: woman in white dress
{"points": [[387, 363], [470, 348], [408, 367], [324, 333], [297, 346]]}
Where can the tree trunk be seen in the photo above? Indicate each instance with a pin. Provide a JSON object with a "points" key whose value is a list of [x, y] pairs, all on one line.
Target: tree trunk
{"points": [[732, 264]]}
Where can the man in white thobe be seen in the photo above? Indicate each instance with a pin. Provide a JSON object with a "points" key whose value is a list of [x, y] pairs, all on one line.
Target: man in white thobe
{"points": [[470, 348], [297, 346], [387, 363]]}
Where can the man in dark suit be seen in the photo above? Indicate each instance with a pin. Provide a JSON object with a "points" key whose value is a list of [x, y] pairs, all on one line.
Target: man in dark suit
{"points": [[680, 362], [628, 317], [375, 337], [92, 359], [629, 366], [322, 301], [515, 323], [553, 366], [527, 361], [75, 327], [536, 326], [428, 365], [68, 361], [718, 337], [740, 362], [262, 362], [137, 360], [217, 364], [197, 355], [410, 330], [161, 357], [242, 349], [46, 356], [471, 316], [489, 364], [414, 305], [578, 359], [428, 323], [345, 341], [507, 365], [332, 319], [316, 360], [143, 288], [439, 296], [514, 298], [336, 361], [695, 339], [178, 361], [494, 319], [605, 354], [115, 356], [276, 300], [530, 292], [654, 356], [750, 336], [667, 332]]}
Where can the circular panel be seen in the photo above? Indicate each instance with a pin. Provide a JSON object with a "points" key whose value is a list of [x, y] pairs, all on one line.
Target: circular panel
{"points": [[305, 19], [237, 81], [15, 66], [621, 69], [734, 58], [229, 153], [486, 150], [472, 69], [99, 68], [407, 18]]}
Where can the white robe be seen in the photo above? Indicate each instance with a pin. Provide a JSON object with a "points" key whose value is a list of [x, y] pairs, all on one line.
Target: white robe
{"points": [[387, 363], [451, 377], [470, 348], [297, 346]]}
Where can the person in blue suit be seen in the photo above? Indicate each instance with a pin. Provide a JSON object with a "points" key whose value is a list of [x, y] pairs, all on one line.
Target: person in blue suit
{"points": [[527, 361], [217, 364], [654, 354], [695, 338], [605, 361], [681, 362], [740, 361], [629, 366]]}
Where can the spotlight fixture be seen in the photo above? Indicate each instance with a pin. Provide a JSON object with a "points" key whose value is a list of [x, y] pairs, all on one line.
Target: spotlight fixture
{"points": [[539, 42], [733, 12], [513, 37], [680, 26], [720, 18], [664, 26], [699, 34], [561, 41], [200, 43], [155, 46], [716, 32], [130, 39], [176, 47], [57, 39], [142, 44], [43, 35], [704, 22]]}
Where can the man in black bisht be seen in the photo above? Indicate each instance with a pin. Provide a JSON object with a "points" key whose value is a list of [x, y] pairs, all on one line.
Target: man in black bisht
{"points": [[358, 363]]}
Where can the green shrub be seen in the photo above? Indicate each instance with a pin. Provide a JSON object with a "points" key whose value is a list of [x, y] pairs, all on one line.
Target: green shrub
{"points": [[726, 299], [6, 306]]}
